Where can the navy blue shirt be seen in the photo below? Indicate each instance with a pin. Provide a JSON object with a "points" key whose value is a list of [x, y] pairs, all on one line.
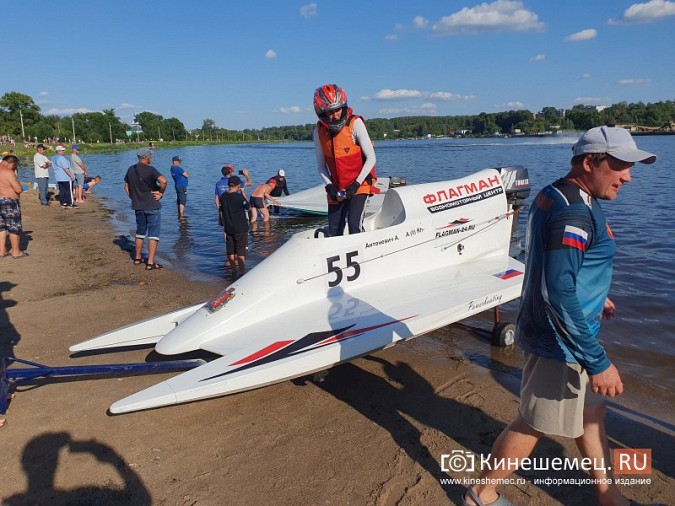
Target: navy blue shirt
{"points": [[142, 181]]}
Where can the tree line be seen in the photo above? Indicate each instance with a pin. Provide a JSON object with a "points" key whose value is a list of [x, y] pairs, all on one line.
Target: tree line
{"points": [[22, 118]]}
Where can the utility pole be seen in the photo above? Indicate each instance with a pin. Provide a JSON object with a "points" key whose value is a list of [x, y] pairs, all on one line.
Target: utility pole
{"points": [[110, 130], [23, 133], [72, 121]]}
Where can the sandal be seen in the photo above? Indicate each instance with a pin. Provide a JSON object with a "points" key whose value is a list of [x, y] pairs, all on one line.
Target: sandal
{"points": [[23, 254], [3, 423], [152, 267], [138, 261]]}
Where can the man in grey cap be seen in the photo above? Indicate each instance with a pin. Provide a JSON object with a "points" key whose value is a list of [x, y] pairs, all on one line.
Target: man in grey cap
{"points": [[567, 375], [80, 171], [145, 186]]}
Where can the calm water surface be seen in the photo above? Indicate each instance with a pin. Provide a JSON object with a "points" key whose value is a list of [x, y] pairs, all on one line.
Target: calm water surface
{"points": [[640, 339]]}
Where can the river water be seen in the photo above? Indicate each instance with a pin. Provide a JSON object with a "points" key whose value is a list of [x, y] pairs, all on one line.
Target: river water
{"points": [[640, 339]]}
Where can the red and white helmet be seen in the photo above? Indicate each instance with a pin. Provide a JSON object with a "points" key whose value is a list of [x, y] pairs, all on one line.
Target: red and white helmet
{"points": [[327, 99]]}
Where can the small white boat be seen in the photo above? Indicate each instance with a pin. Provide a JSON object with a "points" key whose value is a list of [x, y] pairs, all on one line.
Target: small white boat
{"points": [[313, 200], [432, 254]]}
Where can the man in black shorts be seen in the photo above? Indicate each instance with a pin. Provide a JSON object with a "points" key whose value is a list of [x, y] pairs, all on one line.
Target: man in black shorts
{"points": [[233, 206]]}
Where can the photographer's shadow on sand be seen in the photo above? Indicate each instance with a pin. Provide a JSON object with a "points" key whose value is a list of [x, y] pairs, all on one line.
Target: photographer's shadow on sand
{"points": [[42, 457]]}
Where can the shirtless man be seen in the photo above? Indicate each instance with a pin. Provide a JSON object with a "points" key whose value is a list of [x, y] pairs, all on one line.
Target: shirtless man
{"points": [[10, 209], [262, 192]]}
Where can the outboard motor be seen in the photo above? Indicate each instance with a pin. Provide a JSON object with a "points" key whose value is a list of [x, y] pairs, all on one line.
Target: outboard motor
{"points": [[517, 185]]}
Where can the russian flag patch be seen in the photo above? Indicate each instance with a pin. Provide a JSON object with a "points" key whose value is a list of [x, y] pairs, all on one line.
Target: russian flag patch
{"points": [[575, 237], [511, 273]]}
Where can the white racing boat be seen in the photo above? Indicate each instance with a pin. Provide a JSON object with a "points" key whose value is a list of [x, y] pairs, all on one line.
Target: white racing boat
{"points": [[313, 200], [432, 254]]}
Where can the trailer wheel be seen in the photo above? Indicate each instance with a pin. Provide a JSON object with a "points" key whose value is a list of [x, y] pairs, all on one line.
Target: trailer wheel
{"points": [[503, 334]]}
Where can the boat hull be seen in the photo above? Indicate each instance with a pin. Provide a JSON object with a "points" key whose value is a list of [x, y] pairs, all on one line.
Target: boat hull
{"points": [[431, 255]]}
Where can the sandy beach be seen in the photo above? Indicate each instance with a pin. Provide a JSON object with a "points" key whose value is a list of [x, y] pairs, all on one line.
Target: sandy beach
{"points": [[373, 432]]}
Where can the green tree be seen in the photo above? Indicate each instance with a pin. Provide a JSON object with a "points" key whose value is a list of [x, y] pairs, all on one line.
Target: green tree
{"points": [[151, 124], [174, 129], [14, 108]]}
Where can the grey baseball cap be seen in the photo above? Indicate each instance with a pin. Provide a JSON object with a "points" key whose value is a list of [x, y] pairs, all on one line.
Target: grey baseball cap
{"points": [[616, 142], [144, 152]]}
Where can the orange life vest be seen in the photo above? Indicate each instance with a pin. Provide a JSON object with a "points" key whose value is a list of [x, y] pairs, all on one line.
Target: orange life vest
{"points": [[344, 158]]}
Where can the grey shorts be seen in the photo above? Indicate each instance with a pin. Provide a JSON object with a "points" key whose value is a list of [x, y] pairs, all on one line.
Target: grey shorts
{"points": [[553, 396]]}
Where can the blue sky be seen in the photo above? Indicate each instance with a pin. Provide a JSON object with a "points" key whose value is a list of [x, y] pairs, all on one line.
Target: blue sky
{"points": [[256, 64]]}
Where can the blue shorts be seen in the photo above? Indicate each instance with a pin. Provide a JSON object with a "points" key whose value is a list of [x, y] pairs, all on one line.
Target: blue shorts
{"points": [[79, 179], [148, 224], [10, 215], [181, 196]]}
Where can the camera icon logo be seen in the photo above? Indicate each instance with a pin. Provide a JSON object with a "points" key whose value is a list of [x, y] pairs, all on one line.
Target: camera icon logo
{"points": [[458, 461]]}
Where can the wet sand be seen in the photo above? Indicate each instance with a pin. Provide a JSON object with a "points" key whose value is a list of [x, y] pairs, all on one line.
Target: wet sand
{"points": [[372, 432]]}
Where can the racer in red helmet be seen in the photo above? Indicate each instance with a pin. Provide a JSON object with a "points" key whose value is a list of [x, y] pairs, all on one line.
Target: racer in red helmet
{"points": [[329, 99], [345, 157]]}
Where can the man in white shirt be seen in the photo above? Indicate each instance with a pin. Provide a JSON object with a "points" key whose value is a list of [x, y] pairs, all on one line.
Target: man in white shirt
{"points": [[41, 164]]}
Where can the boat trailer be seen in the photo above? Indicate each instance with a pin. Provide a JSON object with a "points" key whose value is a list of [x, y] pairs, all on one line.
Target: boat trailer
{"points": [[10, 377]]}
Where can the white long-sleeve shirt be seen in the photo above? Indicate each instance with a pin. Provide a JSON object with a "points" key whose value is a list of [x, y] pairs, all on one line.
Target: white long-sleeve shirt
{"points": [[361, 138]]}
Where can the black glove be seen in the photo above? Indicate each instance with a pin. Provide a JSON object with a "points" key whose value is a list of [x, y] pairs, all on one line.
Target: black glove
{"points": [[332, 191], [350, 191]]}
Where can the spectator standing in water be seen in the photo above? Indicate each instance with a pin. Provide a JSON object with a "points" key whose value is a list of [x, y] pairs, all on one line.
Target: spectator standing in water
{"points": [[233, 206], [180, 179], [281, 187], [145, 186]]}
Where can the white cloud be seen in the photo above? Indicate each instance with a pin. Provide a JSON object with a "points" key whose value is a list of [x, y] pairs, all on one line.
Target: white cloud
{"points": [[512, 104], [446, 96], [498, 16], [294, 109], [271, 54], [646, 12], [420, 22], [629, 82], [592, 100], [391, 37], [589, 33], [43, 94], [68, 111], [126, 106], [387, 94], [538, 57], [403, 94], [309, 10], [423, 110], [586, 76]]}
